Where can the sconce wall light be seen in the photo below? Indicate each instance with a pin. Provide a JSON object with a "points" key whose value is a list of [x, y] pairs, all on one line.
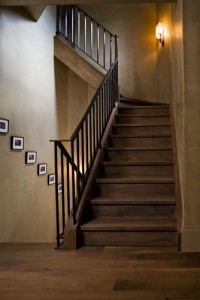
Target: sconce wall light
{"points": [[160, 33]]}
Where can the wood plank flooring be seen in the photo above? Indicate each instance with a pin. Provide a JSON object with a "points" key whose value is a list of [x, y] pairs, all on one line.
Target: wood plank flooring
{"points": [[38, 271]]}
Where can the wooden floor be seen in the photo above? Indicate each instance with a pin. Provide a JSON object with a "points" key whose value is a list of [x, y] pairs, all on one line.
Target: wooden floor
{"points": [[37, 271]]}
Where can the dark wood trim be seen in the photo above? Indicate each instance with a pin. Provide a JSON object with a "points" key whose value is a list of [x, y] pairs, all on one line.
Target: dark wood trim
{"points": [[178, 193]]}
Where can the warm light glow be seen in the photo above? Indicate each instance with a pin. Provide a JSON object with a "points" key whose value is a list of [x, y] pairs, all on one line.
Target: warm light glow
{"points": [[161, 33]]}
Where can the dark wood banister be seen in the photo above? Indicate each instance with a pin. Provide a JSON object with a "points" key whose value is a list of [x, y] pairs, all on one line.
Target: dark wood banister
{"points": [[73, 170]]}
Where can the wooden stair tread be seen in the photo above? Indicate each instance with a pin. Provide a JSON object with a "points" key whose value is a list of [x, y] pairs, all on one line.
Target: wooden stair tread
{"points": [[137, 163], [141, 125], [135, 180], [137, 200], [144, 115], [121, 105], [120, 224], [158, 135], [147, 148]]}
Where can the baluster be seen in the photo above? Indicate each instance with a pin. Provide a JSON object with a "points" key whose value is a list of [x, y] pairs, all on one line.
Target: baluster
{"points": [[85, 33], [90, 131], [65, 22], [83, 152], [73, 185], [110, 49], [78, 167], [68, 188], [79, 25], [72, 25], [86, 137], [94, 129], [56, 194], [116, 46], [63, 190], [104, 49], [58, 23], [98, 43], [91, 38]]}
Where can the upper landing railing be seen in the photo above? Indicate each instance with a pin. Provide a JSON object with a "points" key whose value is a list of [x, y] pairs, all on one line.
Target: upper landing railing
{"points": [[83, 32], [74, 158]]}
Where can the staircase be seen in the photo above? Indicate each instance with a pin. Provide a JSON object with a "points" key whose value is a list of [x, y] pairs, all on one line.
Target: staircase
{"points": [[133, 196]]}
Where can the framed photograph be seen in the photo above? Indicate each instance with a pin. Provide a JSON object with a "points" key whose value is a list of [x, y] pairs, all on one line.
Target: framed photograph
{"points": [[51, 179], [30, 157], [59, 188], [42, 169], [4, 126], [17, 143]]}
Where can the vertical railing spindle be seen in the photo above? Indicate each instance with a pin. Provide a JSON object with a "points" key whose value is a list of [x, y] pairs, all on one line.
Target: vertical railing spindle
{"points": [[97, 43], [91, 38], [79, 27], [73, 185], [63, 191], [104, 48], [110, 49], [85, 33]]}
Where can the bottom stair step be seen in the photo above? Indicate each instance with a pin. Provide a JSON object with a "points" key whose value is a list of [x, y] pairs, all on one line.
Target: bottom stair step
{"points": [[100, 224], [135, 233]]}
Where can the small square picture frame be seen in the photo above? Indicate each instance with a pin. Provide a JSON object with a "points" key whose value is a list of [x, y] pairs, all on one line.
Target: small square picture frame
{"points": [[59, 188], [42, 169], [4, 126], [51, 179], [30, 157], [17, 143]]}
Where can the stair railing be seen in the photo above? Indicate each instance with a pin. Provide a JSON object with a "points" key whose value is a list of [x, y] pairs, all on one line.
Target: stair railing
{"points": [[74, 162], [84, 33]]}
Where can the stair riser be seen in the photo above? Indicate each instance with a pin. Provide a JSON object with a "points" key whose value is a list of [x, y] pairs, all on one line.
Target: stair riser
{"points": [[133, 171], [142, 120], [140, 130], [136, 189], [134, 211], [123, 155], [139, 142], [163, 111], [138, 239]]}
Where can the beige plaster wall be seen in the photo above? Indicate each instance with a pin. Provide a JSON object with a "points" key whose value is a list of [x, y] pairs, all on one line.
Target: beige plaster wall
{"points": [[27, 99], [163, 55], [191, 230], [36, 95], [178, 96], [135, 25]]}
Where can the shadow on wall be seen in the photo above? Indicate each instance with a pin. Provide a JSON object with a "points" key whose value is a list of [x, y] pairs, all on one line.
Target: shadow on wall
{"points": [[61, 84]]}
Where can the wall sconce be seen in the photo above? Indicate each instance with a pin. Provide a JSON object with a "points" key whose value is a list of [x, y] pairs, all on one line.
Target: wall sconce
{"points": [[160, 33]]}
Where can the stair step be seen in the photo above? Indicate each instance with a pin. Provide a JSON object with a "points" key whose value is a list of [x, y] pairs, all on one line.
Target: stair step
{"points": [[120, 224], [143, 120], [138, 154], [127, 188], [133, 170], [136, 163], [131, 141], [144, 110], [141, 130], [134, 211], [130, 238], [134, 180], [138, 102], [135, 200]]}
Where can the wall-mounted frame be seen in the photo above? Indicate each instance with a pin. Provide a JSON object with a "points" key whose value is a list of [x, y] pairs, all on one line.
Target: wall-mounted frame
{"points": [[30, 157], [42, 169], [51, 179], [4, 126], [17, 143], [59, 188]]}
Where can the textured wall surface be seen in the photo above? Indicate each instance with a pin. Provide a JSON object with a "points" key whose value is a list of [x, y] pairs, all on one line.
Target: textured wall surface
{"points": [[37, 95], [191, 230]]}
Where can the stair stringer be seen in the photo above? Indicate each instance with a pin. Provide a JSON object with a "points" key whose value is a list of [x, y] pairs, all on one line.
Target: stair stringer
{"points": [[72, 236]]}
